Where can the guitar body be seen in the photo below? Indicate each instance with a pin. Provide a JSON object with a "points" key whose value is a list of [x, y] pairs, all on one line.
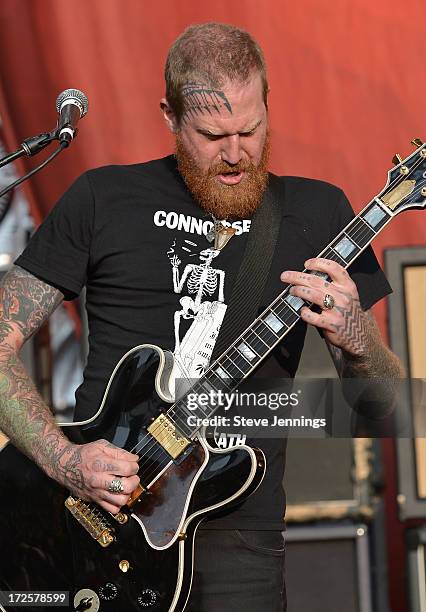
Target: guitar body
{"points": [[149, 563]]}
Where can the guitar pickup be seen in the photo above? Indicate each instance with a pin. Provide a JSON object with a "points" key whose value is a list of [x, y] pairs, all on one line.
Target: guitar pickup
{"points": [[168, 436]]}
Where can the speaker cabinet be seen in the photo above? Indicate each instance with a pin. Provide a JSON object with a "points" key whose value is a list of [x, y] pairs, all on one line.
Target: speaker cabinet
{"points": [[328, 568], [406, 270], [416, 565], [329, 479]]}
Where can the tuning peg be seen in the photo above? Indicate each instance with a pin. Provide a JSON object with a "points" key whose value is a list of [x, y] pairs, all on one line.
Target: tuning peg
{"points": [[417, 142], [397, 159]]}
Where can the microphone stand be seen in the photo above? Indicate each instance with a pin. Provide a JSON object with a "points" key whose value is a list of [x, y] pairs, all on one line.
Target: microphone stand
{"points": [[30, 146], [63, 144]]}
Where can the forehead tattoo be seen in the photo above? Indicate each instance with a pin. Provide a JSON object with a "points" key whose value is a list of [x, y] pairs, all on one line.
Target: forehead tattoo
{"points": [[199, 99]]}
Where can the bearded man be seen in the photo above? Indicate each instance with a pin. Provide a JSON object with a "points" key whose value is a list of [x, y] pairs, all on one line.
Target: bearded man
{"points": [[138, 238]]}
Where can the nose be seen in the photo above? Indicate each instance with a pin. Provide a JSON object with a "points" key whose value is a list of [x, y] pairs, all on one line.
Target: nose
{"points": [[231, 149]]}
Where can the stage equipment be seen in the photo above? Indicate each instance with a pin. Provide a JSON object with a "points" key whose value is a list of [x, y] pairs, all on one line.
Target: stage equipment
{"points": [[416, 569], [71, 105], [328, 568], [406, 271], [330, 479]]}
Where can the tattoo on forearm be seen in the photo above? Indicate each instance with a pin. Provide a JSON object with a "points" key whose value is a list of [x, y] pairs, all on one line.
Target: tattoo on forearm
{"points": [[366, 355], [25, 303], [199, 99]]}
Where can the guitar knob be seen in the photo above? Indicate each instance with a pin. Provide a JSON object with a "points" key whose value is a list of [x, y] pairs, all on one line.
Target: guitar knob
{"points": [[417, 142], [147, 598], [396, 159], [108, 591]]}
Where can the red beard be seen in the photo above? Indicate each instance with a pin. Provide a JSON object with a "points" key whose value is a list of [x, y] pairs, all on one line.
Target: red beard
{"points": [[238, 201]]}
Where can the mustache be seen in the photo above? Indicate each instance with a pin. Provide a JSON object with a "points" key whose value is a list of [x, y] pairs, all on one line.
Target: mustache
{"points": [[222, 167]]}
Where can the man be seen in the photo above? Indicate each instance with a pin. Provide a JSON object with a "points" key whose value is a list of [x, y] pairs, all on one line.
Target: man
{"points": [[136, 237]]}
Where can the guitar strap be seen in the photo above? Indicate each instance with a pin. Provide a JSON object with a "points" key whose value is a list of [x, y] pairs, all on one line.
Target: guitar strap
{"points": [[254, 269]]}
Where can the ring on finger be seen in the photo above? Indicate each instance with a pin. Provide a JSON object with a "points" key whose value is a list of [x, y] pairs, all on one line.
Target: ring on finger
{"points": [[116, 486], [328, 302]]}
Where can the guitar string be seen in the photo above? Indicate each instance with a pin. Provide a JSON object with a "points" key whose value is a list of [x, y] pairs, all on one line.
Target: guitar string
{"points": [[257, 343], [172, 410]]}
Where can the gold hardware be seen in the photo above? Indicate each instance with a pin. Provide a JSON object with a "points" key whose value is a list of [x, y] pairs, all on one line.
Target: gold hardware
{"points": [[404, 170], [182, 536], [395, 197], [396, 159], [424, 191], [121, 517], [124, 566], [417, 142], [91, 519], [423, 153], [165, 432], [134, 497]]}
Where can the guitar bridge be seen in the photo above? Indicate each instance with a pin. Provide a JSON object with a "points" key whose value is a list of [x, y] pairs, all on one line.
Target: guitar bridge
{"points": [[166, 433], [91, 519]]}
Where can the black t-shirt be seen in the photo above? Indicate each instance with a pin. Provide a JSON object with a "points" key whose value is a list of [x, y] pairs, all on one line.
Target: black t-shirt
{"points": [[134, 236]]}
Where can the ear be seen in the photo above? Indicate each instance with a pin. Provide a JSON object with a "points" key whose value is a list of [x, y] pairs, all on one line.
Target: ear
{"points": [[169, 116]]}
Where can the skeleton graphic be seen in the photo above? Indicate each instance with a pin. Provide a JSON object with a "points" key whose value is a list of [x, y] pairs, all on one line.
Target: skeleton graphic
{"points": [[193, 351]]}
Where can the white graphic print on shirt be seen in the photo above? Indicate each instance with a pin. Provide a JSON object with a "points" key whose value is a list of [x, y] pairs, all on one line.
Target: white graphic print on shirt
{"points": [[193, 348], [199, 281]]}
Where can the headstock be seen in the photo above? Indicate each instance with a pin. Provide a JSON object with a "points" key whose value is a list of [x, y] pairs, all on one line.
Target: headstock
{"points": [[406, 185]]}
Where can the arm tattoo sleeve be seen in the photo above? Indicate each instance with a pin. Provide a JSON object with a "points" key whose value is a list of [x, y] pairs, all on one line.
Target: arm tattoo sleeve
{"points": [[378, 370], [25, 303]]}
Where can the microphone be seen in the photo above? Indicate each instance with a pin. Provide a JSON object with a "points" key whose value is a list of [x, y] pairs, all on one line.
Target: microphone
{"points": [[71, 105]]}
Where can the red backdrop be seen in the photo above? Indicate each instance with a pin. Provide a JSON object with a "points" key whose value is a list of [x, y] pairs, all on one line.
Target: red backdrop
{"points": [[346, 78]]}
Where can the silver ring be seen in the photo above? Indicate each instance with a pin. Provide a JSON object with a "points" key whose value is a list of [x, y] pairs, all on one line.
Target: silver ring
{"points": [[328, 302], [116, 486]]}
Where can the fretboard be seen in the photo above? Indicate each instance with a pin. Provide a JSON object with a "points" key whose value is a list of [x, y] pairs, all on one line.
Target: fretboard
{"points": [[258, 340]]}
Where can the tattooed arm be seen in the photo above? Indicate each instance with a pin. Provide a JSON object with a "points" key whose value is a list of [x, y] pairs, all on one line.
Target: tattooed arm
{"points": [[351, 333], [87, 469]]}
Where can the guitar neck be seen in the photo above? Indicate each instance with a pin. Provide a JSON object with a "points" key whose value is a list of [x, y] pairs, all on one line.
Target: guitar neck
{"points": [[275, 322]]}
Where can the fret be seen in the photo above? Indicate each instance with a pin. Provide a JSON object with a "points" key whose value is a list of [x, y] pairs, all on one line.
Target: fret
{"points": [[206, 385], [257, 343], [197, 390], [240, 361], [334, 256], [375, 216], [265, 333], [286, 314], [361, 233], [346, 248], [273, 321], [294, 302], [247, 351], [183, 407], [219, 381], [231, 367], [179, 413], [221, 372]]}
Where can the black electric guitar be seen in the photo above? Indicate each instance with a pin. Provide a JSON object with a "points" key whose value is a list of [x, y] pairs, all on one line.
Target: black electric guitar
{"points": [[142, 558]]}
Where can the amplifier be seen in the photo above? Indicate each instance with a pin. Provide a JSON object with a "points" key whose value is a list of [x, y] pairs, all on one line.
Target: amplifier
{"points": [[328, 568], [416, 566]]}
